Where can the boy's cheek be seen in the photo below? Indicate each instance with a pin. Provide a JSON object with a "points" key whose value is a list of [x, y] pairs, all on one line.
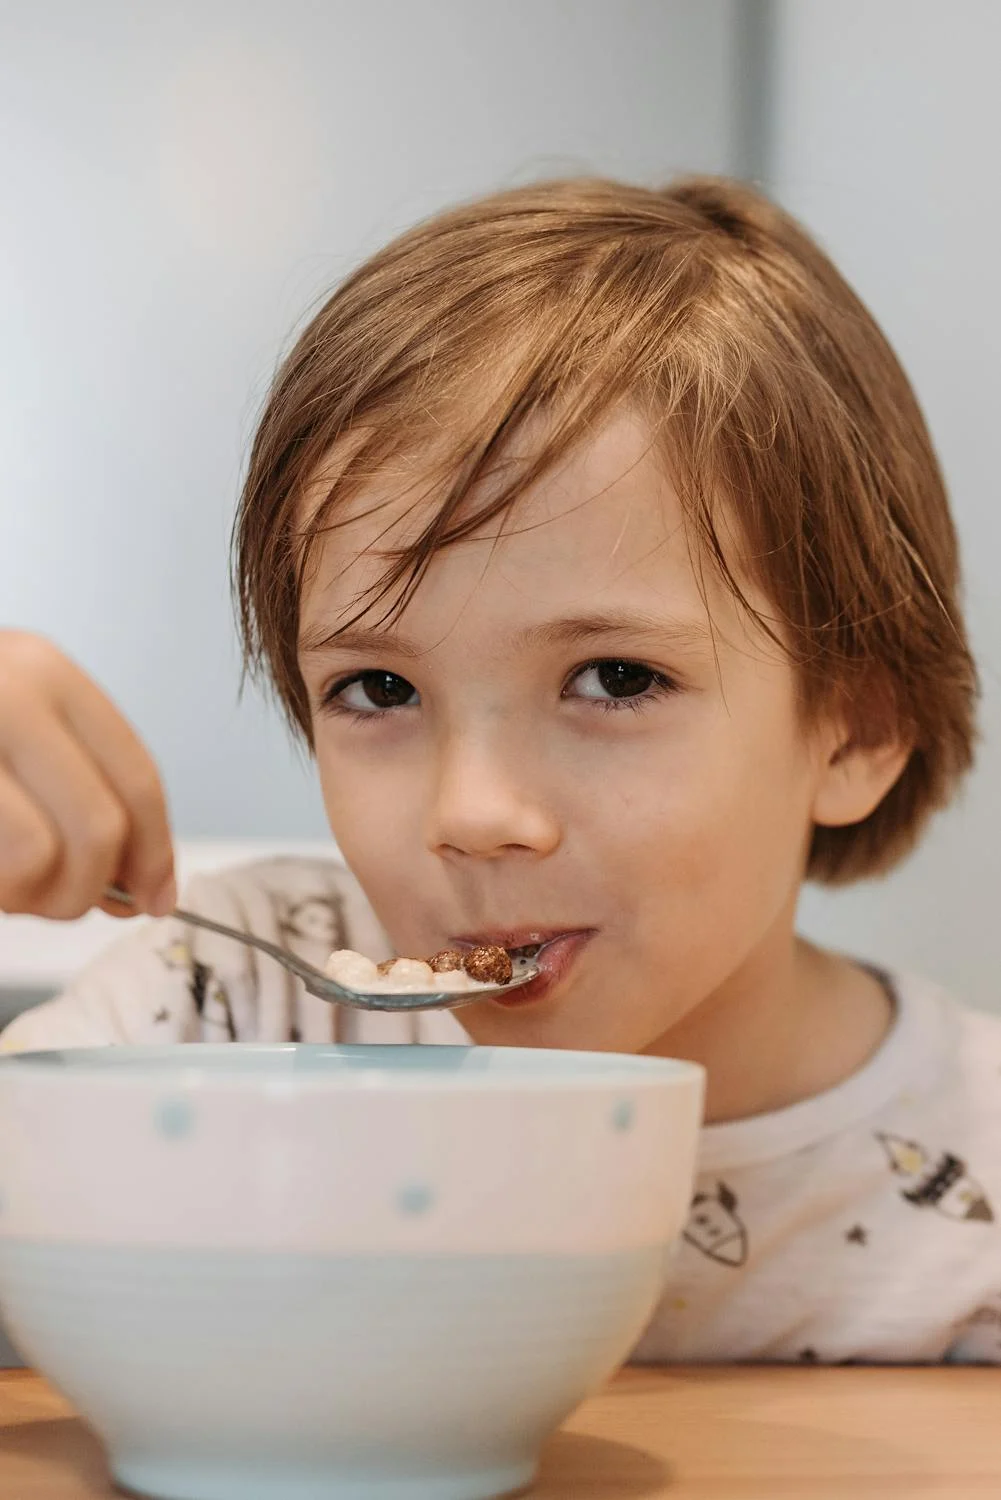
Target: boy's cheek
{"points": [[380, 843], [372, 843]]}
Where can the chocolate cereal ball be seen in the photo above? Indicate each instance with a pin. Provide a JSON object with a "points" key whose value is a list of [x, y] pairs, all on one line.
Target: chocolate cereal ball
{"points": [[490, 965], [446, 961]]}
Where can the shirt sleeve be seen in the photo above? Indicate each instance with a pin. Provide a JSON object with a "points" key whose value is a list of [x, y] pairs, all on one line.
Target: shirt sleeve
{"points": [[141, 989]]}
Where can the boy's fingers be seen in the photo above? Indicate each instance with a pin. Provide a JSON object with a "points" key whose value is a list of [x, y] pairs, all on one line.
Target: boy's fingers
{"points": [[146, 867], [118, 908], [30, 847], [87, 779], [147, 873], [90, 823]]}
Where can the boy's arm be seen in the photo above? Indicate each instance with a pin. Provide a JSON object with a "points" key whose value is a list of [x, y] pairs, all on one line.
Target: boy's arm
{"points": [[137, 991]]}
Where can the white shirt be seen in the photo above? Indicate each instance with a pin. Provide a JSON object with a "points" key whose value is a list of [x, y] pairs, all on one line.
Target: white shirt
{"points": [[861, 1225]]}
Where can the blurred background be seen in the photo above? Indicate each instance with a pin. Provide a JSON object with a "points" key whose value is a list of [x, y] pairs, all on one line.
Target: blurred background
{"points": [[180, 184]]}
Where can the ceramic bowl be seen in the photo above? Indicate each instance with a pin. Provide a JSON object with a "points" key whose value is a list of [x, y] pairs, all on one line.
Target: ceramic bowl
{"points": [[355, 1273]]}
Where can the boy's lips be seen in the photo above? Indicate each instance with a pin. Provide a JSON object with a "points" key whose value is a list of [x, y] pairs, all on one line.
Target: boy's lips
{"points": [[515, 937], [560, 946]]}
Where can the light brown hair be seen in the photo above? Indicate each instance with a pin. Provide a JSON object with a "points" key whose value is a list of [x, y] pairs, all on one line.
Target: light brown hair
{"points": [[767, 381]]}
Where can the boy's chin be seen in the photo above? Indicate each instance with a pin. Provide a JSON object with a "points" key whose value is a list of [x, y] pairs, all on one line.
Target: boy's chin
{"points": [[554, 1024]]}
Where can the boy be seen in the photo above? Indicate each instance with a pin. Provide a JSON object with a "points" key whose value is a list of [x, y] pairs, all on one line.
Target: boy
{"points": [[593, 539]]}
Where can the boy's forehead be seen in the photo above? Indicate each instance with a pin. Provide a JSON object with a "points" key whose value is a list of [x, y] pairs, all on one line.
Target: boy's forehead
{"points": [[604, 521], [403, 492]]}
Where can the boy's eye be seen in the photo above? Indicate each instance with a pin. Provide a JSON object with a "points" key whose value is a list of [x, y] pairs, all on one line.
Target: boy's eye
{"points": [[614, 679], [371, 692]]}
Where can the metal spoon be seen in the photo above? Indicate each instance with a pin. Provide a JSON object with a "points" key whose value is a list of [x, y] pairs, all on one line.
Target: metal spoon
{"points": [[318, 983]]}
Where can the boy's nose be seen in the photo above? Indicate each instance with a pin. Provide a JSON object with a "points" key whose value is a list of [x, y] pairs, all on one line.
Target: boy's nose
{"points": [[484, 805]]}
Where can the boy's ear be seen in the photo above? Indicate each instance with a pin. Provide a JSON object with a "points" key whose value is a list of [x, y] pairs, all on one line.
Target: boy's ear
{"points": [[855, 777]]}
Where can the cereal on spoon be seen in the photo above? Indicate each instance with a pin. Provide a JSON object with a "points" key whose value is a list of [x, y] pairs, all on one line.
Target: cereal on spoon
{"points": [[446, 972]]}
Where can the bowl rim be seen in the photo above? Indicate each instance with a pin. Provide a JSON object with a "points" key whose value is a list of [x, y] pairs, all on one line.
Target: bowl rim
{"points": [[122, 1067]]}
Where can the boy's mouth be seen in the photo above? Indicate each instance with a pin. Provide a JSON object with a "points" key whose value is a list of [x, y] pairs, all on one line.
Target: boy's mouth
{"points": [[553, 949]]}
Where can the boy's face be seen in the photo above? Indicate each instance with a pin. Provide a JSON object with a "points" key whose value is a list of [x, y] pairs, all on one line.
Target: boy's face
{"points": [[551, 741]]}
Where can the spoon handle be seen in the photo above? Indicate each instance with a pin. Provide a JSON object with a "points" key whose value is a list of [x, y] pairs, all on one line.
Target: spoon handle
{"points": [[297, 966]]}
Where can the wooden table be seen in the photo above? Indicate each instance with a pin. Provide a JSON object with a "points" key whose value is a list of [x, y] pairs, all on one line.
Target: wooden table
{"points": [[715, 1434]]}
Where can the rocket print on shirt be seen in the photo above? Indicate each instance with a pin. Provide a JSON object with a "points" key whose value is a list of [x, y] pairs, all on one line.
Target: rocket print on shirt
{"points": [[715, 1228], [940, 1182]]}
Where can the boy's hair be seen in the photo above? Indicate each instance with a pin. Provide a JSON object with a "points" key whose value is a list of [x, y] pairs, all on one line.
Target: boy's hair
{"points": [[774, 396]]}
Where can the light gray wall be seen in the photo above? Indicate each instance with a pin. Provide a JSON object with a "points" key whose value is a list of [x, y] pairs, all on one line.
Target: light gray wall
{"points": [[178, 182], [885, 130]]}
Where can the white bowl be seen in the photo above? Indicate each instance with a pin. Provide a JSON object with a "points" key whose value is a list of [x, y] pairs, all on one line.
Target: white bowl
{"points": [[355, 1273]]}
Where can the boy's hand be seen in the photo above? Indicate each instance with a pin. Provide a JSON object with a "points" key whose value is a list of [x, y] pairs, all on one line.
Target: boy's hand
{"points": [[81, 805]]}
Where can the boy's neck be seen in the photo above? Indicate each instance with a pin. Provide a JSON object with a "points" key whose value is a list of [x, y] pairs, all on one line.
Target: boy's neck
{"points": [[792, 1023]]}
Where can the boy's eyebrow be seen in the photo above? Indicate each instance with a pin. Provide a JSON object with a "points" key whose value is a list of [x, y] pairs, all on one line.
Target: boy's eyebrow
{"points": [[574, 630], [356, 639], [635, 625]]}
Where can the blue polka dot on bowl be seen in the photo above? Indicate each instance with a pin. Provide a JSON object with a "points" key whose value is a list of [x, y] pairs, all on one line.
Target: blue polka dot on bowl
{"points": [[414, 1198], [174, 1119]]}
